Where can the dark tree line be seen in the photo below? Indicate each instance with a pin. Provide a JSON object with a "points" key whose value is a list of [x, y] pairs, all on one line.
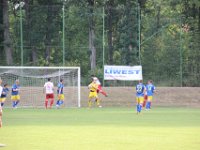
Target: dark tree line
{"points": [[161, 35]]}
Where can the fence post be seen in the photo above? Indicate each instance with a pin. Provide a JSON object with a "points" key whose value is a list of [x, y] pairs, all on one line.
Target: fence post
{"points": [[139, 32], [103, 42], [63, 30], [21, 35], [181, 61]]}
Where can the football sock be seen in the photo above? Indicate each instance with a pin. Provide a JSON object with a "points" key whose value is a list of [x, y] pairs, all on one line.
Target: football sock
{"points": [[143, 105], [138, 108], [51, 103], [61, 102], [46, 103], [98, 102], [17, 102], [2, 104], [13, 103], [147, 105], [89, 103], [58, 102]]}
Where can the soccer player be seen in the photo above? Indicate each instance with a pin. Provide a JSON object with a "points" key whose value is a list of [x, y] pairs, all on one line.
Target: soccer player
{"points": [[93, 87], [1, 89], [15, 94], [150, 91], [61, 96], [1, 111], [100, 90], [4, 94], [140, 89], [49, 91]]}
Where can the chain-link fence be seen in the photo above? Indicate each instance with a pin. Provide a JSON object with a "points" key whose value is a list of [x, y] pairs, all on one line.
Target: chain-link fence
{"points": [[167, 46]]}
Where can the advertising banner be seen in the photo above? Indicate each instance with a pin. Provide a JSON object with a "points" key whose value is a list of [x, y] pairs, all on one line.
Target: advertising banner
{"points": [[129, 73]]}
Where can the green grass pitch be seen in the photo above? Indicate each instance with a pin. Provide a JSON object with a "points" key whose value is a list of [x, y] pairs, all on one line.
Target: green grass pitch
{"points": [[101, 129]]}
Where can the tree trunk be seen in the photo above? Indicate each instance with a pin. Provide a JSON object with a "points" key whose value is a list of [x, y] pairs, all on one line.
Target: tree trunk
{"points": [[92, 36], [199, 18], [48, 36], [32, 53], [1, 27], [7, 39], [110, 31], [158, 18]]}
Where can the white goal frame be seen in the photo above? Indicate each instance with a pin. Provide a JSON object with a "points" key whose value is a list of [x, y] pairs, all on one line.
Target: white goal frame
{"points": [[56, 68]]}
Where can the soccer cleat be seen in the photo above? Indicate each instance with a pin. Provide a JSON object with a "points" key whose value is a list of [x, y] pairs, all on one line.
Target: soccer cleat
{"points": [[15, 107], [57, 106]]}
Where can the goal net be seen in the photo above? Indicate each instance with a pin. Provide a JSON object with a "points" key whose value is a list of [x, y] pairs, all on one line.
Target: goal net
{"points": [[32, 80]]}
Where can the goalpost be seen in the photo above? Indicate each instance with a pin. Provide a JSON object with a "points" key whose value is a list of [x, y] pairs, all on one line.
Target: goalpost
{"points": [[32, 80]]}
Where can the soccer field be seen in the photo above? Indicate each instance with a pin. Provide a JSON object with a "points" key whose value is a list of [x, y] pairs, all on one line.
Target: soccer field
{"points": [[101, 129]]}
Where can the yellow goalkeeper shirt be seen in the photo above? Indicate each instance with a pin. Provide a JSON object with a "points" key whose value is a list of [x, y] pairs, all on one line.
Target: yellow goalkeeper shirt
{"points": [[93, 87]]}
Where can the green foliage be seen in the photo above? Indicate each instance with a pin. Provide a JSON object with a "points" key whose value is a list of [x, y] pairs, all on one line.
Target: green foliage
{"points": [[166, 47], [170, 32], [117, 58]]}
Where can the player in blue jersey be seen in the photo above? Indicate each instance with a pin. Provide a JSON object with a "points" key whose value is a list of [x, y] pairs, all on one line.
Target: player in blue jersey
{"points": [[1, 113], [1, 110], [15, 94], [4, 94], [140, 89], [61, 96], [150, 91]]}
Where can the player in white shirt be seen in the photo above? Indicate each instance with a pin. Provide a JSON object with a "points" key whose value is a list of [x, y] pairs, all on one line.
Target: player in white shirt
{"points": [[1, 111], [49, 91]]}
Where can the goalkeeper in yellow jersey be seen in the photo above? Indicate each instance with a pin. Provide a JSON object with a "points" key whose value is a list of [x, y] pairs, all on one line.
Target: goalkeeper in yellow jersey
{"points": [[1, 111], [93, 87]]}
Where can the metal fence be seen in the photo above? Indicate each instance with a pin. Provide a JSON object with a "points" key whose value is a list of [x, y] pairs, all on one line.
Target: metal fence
{"points": [[167, 47]]}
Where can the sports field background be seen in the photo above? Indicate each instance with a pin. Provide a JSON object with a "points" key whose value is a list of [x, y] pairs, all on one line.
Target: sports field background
{"points": [[161, 128], [173, 123]]}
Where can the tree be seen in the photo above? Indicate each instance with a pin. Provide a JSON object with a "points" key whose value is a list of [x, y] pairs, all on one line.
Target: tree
{"points": [[7, 40], [110, 15], [92, 48], [127, 34], [1, 27]]}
